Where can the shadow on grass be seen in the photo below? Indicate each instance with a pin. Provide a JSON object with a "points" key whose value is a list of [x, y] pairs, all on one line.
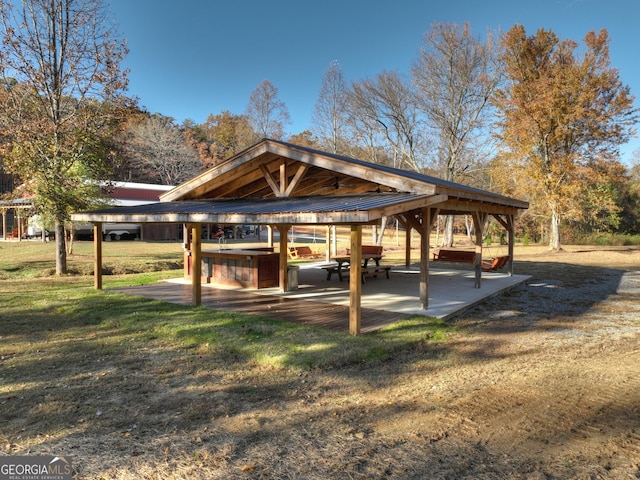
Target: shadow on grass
{"points": [[136, 375]]}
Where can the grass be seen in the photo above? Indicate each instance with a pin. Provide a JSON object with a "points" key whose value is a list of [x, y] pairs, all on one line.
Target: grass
{"points": [[133, 388], [82, 369], [35, 301]]}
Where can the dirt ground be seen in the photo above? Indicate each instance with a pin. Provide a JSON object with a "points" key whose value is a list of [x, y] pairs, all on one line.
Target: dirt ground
{"points": [[540, 383]]}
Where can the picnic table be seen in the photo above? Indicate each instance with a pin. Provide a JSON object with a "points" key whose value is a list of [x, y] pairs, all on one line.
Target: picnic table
{"points": [[344, 260]]}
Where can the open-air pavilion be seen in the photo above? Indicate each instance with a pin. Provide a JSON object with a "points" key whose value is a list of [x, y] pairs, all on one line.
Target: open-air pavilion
{"points": [[281, 185], [21, 208]]}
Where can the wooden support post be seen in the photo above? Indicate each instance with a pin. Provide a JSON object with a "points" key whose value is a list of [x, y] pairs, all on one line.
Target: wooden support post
{"points": [[269, 236], [508, 224], [327, 243], [511, 239], [97, 256], [429, 216], [284, 273], [4, 224], [407, 245], [355, 284], [425, 234], [196, 264], [334, 240], [479, 219], [20, 226]]}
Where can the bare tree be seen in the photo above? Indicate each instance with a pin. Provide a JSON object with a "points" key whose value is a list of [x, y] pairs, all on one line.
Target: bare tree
{"points": [[159, 152], [456, 75], [267, 114], [61, 84], [386, 104], [330, 114]]}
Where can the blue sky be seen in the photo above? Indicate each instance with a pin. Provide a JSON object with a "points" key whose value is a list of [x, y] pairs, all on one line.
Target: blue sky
{"points": [[193, 58]]}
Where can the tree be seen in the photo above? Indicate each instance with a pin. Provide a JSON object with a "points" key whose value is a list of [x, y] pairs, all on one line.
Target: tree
{"points": [[561, 116], [305, 139], [158, 152], [266, 113], [62, 86], [386, 105], [331, 110], [628, 196], [455, 75], [220, 136]]}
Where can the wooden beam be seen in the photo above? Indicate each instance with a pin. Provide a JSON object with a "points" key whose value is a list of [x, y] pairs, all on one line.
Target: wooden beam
{"points": [[97, 256], [196, 264], [410, 205], [295, 181], [271, 181], [239, 187], [454, 206], [412, 221], [210, 179], [355, 283], [284, 180], [400, 182]]}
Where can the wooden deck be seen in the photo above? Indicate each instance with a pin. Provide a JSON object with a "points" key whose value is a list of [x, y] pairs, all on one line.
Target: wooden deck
{"points": [[307, 312]]}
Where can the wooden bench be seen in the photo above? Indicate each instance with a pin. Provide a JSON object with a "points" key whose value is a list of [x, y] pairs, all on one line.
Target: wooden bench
{"points": [[491, 265], [299, 253], [369, 250], [455, 256], [374, 272]]}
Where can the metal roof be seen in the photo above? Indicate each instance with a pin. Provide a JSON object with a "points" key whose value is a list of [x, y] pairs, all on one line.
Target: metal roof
{"points": [[17, 203], [324, 169], [319, 209]]}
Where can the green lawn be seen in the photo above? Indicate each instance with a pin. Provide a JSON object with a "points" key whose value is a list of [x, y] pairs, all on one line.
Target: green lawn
{"points": [[35, 302]]}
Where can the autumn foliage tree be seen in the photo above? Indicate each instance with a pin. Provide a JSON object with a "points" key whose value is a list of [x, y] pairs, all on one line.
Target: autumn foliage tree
{"points": [[61, 90], [221, 136], [563, 115]]}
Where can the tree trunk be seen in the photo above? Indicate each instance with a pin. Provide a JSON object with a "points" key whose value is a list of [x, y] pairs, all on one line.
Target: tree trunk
{"points": [[447, 237], [468, 223], [381, 230], [61, 251], [377, 232], [554, 231], [69, 234]]}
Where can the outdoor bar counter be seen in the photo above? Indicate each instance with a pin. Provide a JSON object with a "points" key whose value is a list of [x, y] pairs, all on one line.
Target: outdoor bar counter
{"points": [[248, 268]]}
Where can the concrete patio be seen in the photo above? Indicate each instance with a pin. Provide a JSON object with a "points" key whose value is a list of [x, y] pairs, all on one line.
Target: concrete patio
{"points": [[451, 292]]}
